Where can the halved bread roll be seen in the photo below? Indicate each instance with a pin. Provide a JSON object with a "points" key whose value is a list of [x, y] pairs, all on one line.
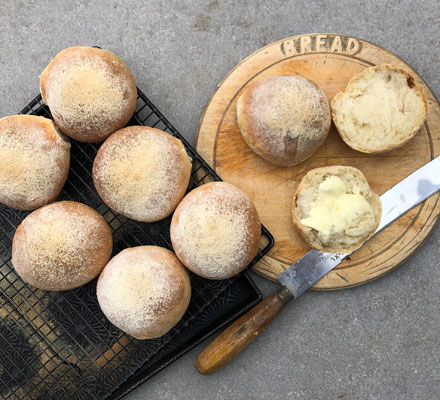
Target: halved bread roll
{"points": [[335, 210], [380, 109]]}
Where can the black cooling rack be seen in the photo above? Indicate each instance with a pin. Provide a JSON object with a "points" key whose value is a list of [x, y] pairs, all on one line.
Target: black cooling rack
{"points": [[59, 345]]}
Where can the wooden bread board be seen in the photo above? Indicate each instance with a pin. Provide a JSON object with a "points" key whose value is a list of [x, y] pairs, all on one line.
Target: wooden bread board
{"points": [[329, 60]]}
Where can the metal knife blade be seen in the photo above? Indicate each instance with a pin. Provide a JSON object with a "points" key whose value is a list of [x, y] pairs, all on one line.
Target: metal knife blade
{"points": [[408, 193]]}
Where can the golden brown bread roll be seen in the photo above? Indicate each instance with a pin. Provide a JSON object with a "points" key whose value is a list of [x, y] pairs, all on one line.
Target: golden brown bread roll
{"points": [[61, 246], [215, 230], [335, 210], [142, 173], [144, 291], [34, 161], [90, 92], [283, 119]]}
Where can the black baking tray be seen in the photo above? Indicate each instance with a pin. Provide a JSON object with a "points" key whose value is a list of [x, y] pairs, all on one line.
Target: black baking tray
{"points": [[59, 345]]}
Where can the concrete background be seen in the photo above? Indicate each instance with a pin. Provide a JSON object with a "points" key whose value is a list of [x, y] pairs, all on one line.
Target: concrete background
{"points": [[378, 341]]}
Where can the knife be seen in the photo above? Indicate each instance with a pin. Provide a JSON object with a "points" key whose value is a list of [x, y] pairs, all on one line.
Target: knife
{"points": [[309, 269]]}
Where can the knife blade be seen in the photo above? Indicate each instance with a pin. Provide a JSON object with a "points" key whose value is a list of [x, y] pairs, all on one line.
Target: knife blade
{"points": [[309, 269]]}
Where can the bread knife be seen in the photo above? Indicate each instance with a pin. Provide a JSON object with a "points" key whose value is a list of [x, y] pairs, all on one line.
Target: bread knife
{"points": [[309, 269]]}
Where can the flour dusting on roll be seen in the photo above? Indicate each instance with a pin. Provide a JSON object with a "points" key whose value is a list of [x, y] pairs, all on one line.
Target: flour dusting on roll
{"points": [[61, 246], [34, 161], [142, 173], [144, 291], [283, 119], [90, 92], [215, 230]]}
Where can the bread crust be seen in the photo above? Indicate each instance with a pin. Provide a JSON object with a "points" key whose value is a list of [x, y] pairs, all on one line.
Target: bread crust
{"points": [[34, 161], [61, 246], [90, 92], [345, 136], [302, 136], [144, 291], [125, 190], [206, 233], [323, 172]]}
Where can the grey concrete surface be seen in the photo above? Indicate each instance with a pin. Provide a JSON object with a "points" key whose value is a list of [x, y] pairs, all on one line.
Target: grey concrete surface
{"points": [[377, 341]]}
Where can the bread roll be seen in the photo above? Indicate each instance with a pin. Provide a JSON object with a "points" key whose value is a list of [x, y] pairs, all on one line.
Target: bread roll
{"points": [[61, 246], [142, 173], [215, 230], [90, 92], [335, 209], [380, 109], [34, 161], [144, 291], [283, 119]]}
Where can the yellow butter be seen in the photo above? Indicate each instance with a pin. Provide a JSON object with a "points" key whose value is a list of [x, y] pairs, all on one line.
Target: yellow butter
{"points": [[334, 209]]}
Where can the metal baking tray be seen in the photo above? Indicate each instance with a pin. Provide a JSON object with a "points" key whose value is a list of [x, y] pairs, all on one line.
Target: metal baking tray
{"points": [[59, 345]]}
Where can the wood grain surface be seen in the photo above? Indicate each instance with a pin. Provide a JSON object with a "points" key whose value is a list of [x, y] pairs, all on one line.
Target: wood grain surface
{"points": [[329, 60]]}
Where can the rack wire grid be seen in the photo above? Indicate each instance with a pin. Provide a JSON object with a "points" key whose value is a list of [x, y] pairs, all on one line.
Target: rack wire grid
{"points": [[59, 345]]}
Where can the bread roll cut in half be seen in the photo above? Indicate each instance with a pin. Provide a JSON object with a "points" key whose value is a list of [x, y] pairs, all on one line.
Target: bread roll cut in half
{"points": [[144, 291], [142, 173], [61, 246], [283, 119], [335, 209], [380, 109], [34, 161], [90, 92], [215, 230]]}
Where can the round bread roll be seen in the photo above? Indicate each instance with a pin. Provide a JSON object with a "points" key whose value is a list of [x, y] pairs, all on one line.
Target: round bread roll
{"points": [[284, 119], [34, 161], [90, 92], [215, 230], [380, 109], [61, 246], [142, 173], [335, 209], [144, 291]]}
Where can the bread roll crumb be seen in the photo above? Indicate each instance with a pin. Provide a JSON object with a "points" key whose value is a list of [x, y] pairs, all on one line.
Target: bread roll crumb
{"points": [[381, 109], [335, 209]]}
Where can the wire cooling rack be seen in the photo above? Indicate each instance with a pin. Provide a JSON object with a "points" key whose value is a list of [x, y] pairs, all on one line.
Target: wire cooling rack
{"points": [[59, 345]]}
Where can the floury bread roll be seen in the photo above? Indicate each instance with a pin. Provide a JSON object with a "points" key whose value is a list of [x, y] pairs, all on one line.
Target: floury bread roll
{"points": [[380, 109], [144, 291], [142, 173], [34, 161], [61, 246], [215, 230], [283, 119], [335, 209], [90, 92]]}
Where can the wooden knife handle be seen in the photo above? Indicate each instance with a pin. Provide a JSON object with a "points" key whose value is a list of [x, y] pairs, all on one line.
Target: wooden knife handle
{"points": [[234, 339]]}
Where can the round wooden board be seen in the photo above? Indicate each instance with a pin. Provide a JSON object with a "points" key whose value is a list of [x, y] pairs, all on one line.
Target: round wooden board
{"points": [[329, 60]]}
